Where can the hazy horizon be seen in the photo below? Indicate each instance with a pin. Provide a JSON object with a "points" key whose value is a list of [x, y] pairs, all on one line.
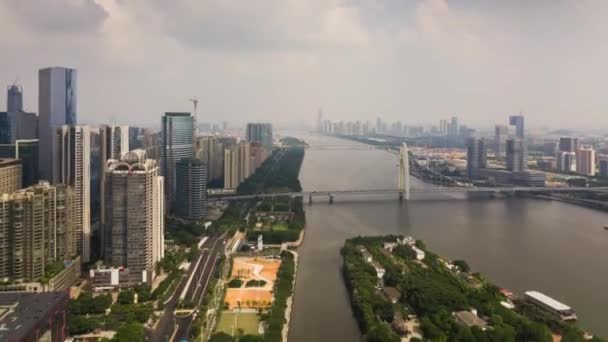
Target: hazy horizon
{"points": [[280, 60]]}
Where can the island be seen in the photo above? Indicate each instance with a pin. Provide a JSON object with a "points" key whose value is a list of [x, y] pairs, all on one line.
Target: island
{"points": [[401, 291]]}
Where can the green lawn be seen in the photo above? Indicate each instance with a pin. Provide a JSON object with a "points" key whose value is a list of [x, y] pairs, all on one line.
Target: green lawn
{"points": [[279, 227], [248, 322]]}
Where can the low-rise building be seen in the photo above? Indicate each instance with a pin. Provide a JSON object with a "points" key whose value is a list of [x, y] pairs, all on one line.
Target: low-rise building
{"points": [[470, 319], [34, 317]]}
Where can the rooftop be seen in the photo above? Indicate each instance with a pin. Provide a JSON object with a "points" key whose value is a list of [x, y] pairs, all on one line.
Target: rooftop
{"points": [[21, 312], [554, 304], [4, 162], [470, 319]]}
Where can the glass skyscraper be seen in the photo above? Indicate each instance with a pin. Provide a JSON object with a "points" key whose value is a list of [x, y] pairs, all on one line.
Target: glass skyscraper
{"points": [[191, 189], [177, 143], [57, 102]]}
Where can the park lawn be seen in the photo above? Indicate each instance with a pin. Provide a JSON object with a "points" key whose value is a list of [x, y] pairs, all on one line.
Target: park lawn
{"points": [[279, 227], [247, 321]]}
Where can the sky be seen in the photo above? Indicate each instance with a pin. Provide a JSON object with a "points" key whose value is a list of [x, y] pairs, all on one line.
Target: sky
{"points": [[280, 60]]}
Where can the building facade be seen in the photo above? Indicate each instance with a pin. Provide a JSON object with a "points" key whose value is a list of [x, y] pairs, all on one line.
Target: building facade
{"points": [[10, 175], [17, 125], [74, 169], [501, 132], [260, 133], [518, 122], [113, 144], [27, 152], [566, 161], [36, 228], [476, 156], [517, 155], [134, 217], [585, 161], [568, 144], [57, 101], [210, 150], [14, 98], [191, 189], [177, 143]]}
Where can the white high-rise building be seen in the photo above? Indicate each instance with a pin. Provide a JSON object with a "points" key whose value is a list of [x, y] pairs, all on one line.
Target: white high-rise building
{"points": [[585, 161], [134, 215], [73, 153]]}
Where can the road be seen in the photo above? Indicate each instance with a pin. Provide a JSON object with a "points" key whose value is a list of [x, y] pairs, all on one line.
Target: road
{"points": [[207, 268], [168, 324]]}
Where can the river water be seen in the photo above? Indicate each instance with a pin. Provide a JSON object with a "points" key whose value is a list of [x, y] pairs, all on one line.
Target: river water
{"points": [[520, 244]]}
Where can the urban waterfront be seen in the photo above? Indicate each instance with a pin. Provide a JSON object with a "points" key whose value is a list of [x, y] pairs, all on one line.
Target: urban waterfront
{"points": [[520, 244]]}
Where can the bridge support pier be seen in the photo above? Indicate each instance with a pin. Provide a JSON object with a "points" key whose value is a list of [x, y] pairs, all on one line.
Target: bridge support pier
{"points": [[309, 199], [331, 199]]}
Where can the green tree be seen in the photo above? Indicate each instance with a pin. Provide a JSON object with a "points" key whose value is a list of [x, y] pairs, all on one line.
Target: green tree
{"points": [[221, 337], [130, 332], [462, 265]]}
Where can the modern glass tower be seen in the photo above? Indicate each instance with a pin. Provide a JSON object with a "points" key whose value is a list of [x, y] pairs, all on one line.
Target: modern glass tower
{"points": [[191, 189], [56, 107], [177, 143], [14, 98]]}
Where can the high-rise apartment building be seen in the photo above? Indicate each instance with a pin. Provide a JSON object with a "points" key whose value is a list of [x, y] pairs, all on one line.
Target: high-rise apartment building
{"points": [[517, 155], [244, 160], [210, 150], [56, 107], [134, 215], [568, 144], [453, 127], [231, 168], [27, 152], [518, 122], [260, 133], [258, 156], [36, 228], [74, 169], [191, 189], [10, 175], [501, 132], [476, 156], [177, 143], [585, 161], [113, 144], [14, 98]]}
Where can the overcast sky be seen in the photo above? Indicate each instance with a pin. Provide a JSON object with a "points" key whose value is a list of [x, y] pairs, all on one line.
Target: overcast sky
{"points": [[280, 60]]}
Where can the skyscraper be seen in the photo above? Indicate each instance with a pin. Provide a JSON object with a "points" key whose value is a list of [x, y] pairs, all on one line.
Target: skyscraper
{"points": [[517, 155], [74, 169], [568, 144], [453, 127], [231, 167], [476, 156], [260, 133], [501, 133], [566, 161], [177, 143], [443, 127], [113, 144], [134, 225], [37, 227], [14, 98], [550, 149], [56, 107], [585, 161], [191, 189], [518, 122]]}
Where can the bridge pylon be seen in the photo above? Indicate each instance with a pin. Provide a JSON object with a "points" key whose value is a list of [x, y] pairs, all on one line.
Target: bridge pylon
{"points": [[404, 173]]}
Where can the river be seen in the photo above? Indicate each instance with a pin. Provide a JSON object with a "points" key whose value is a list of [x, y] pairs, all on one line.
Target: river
{"points": [[520, 244]]}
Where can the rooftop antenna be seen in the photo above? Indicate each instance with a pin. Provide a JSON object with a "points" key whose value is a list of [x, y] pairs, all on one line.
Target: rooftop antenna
{"points": [[194, 101]]}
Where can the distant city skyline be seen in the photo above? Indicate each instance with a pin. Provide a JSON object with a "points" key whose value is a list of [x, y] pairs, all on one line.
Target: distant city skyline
{"points": [[417, 61]]}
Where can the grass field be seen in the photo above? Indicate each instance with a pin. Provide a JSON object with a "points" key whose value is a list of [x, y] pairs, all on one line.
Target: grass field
{"points": [[248, 322], [279, 227]]}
